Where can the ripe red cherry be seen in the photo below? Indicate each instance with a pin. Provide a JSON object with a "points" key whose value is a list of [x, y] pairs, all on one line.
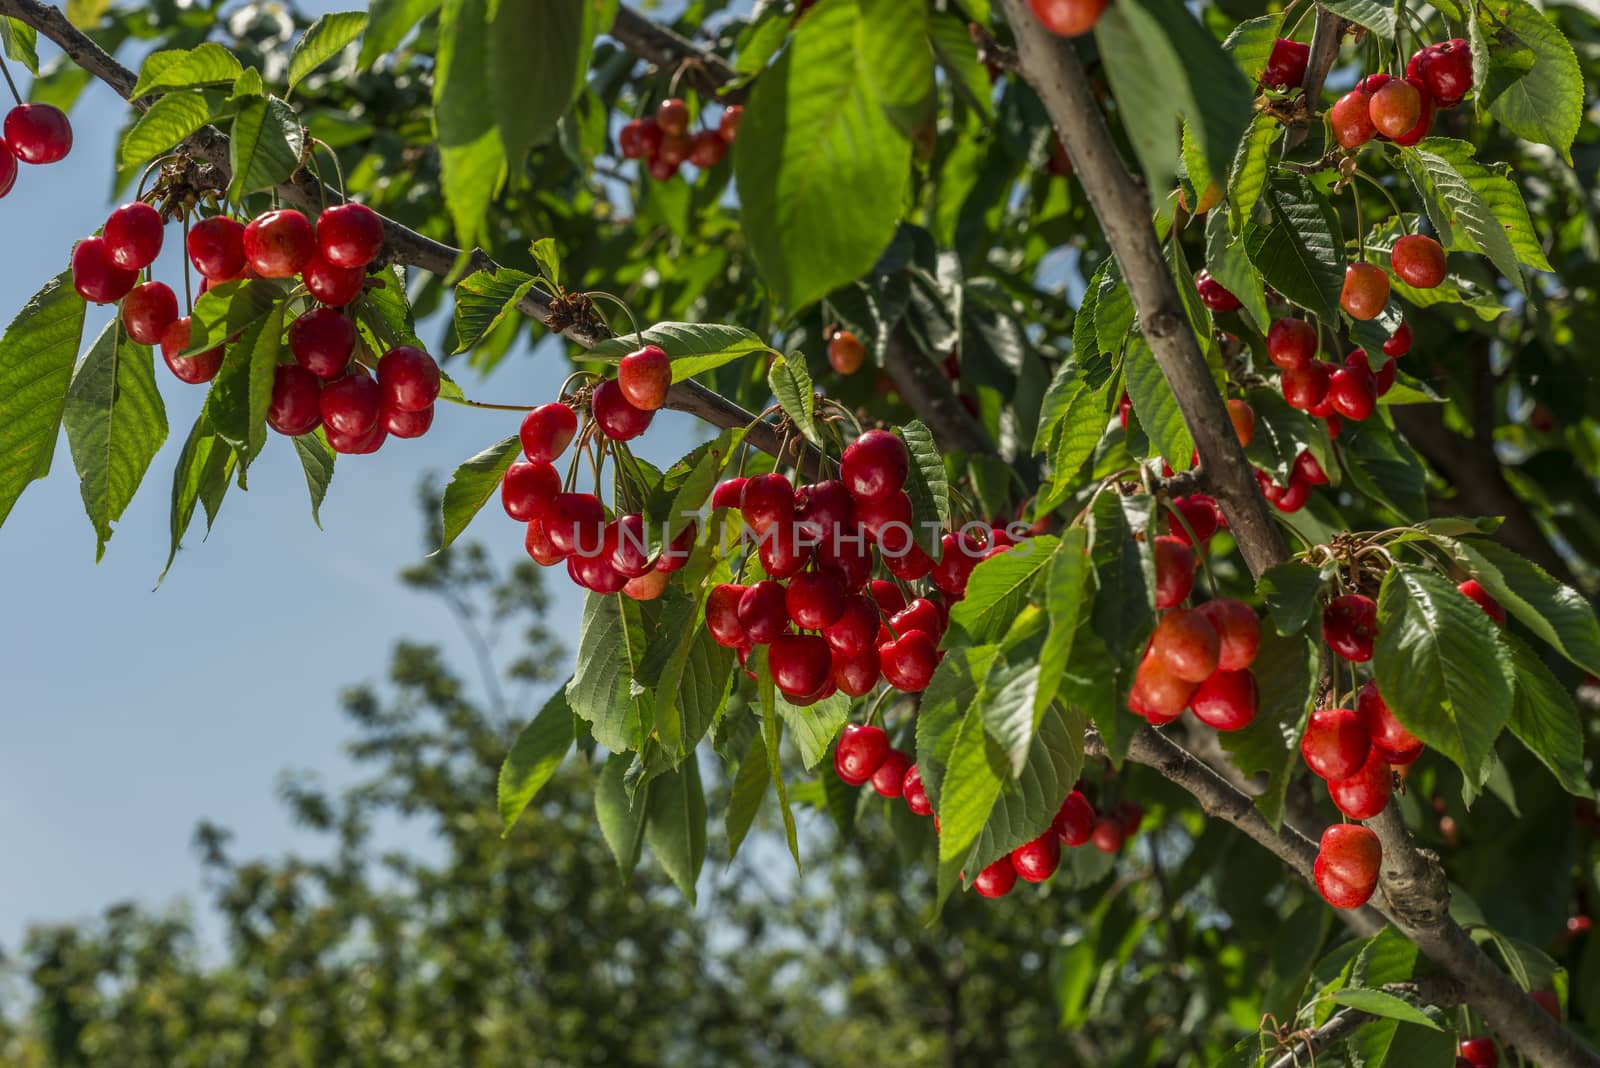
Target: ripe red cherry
{"points": [[856, 627], [547, 431], [767, 501], [1227, 700], [369, 442], [1482, 598], [915, 793], [1109, 834], [1399, 342], [1382, 380], [875, 465], [1424, 118], [908, 662], [1353, 391], [528, 489], [1200, 509], [295, 407], [1366, 290], [890, 778], [1366, 793], [707, 149], [623, 543], [815, 599], [861, 751], [595, 573], [1131, 815], [722, 615], [1037, 860], [1349, 625], [1346, 869], [644, 376], [201, 367], [1306, 386], [824, 511], [1074, 821], [1238, 631], [960, 554], [1157, 694], [1308, 470], [848, 554], [1479, 1052], [783, 551], [148, 310], [856, 674], [1393, 742], [1174, 571], [676, 555], [575, 523], [1418, 260], [1068, 18], [887, 521], [133, 235], [1445, 69], [331, 284], [8, 168], [38, 133], [617, 419], [409, 378], [350, 405], [764, 612], [322, 341], [279, 243], [1286, 67], [1395, 108], [921, 614], [404, 424], [647, 587], [888, 596], [672, 115], [1186, 644], [1351, 119], [216, 247], [349, 235], [662, 169], [728, 492], [95, 277], [1336, 743], [630, 140], [728, 125], [1213, 294], [846, 353]]}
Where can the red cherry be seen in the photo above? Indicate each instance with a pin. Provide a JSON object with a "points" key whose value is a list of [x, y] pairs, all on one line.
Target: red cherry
{"points": [[8, 168], [38, 133], [1238, 630], [296, 405], [1484, 600], [623, 544], [331, 284], [1366, 291], [1200, 509], [1336, 743], [201, 367], [133, 236], [1074, 822], [728, 125], [887, 594], [148, 310], [1479, 1052], [887, 521], [547, 431], [1175, 563], [663, 169], [1294, 496], [707, 149], [672, 115], [1213, 294], [322, 341], [644, 376], [630, 140], [595, 573], [728, 492], [1307, 469], [1353, 392], [1037, 860], [1157, 694], [1418, 260], [617, 419], [764, 612], [406, 424], [1346, 869], [528, 489], [1351, 119], [1445, 69], [575, 524], [875, 465], [1124, 409], [722, 615], [846, 353], [350, 405], [824, 511], [349, 235], [1393, 742], [908, 662], [815, 599], [1291, 343], [1286, 67], [279, 243], [676, 555], [997, 879], [1186, 644], [1424, 119], [960, 554], [1382, 381], [921, 614], [1395, 108], [1305, 387], [1243, 418], [216, 247], [1067, 18], [767, 501], [95, 277], [916, 794], [647, 587], [855, 628], [1349, 625], [890, 778], [537, 544], [860, 753], [362, 445], [849, 555], [856, 674], [1366, 793], [1227, 700], [1547, 1000], [1399, 342], [409, 378], [1109, 834]]}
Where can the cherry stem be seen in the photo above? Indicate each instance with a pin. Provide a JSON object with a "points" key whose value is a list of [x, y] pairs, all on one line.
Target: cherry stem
{"points": [[488, 405], [1299, 20], [338, 169], [619, 302], [188, 294], [1361, 226], [874, 713], [6, 70], [1205, 557]]}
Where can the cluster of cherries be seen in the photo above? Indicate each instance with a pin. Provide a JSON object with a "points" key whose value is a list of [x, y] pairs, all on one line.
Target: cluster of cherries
{"points": [[323, 386], [34, 133], [664, 142], [1401, 110], [864, 756]]}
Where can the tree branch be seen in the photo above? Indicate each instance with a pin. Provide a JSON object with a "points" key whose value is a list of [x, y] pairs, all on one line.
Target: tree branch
{"points": [[1346, 1022], [651, 41], [925, 388]]}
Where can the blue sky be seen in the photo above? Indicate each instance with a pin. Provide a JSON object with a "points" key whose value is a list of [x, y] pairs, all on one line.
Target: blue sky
{"points": [[130, 713]]}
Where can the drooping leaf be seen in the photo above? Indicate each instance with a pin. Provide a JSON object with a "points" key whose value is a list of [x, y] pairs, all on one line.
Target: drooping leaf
{"points": [[187, 68], [927, 485], [1066, 593], [229, 310], [815, 726], [555, 39], [675, 825], [20, 42], [237, 405], [534, 757], [621, 818], [323, 39], [1300, 253], [1545, 719], [1505, 202], [484, 299], [474, 483], [388, 23], [265, 147], [36, 357], [316, 459], [171, 119], [1009, 697], [1535, 86], [749, 789], [1462, 218], [611, 645], [688, 672], [772, 735], [1155, 405], [693, 347], [1287, 671], [998, 588], [791, 385], [205, 459], [1554, 611], [471, 154]]}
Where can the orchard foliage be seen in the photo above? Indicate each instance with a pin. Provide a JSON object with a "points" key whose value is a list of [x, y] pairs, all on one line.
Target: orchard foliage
{"points": [[1389, 281]]}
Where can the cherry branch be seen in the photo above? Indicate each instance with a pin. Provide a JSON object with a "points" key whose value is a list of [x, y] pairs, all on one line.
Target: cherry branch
{"points": [[1414, 885], [1346, 1022]]}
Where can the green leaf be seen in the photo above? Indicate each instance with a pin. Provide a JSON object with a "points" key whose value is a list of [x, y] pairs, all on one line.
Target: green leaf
{"points": [[1545, 719], [675, 825], [115, 424], [316, 459], [1379, 1003], [388, 23], [999, 587], [685, 488], [1442, 667], [1535, 86], [484, 299], [688, 672], [1229, 264], [1250, 44], [20, 42], [1008, 700], [1501, 196], [1555, 612], [1282, 433], [1072, 424], [323, 40], [791, 385], [555, 39], [36, 357], [474, 483], [957, 53], [228, 310], [1287, 671], [814, 727], [540, 748], [1066, 593], [1375, 16], [749, 789], [1385, 468], [205, 461], [471, 154], [1300, 253], [1155, 405], [896, 53], [186, 68], [927, 485], [1290, 591], [237, 405], [949, 695], [1112, 639], [1248, 176], [772, 734], [266, 145], [1462, 218], [171, 119], [86, 14], [821, 170], [621, 819], [693, 347], [611, 645]]}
